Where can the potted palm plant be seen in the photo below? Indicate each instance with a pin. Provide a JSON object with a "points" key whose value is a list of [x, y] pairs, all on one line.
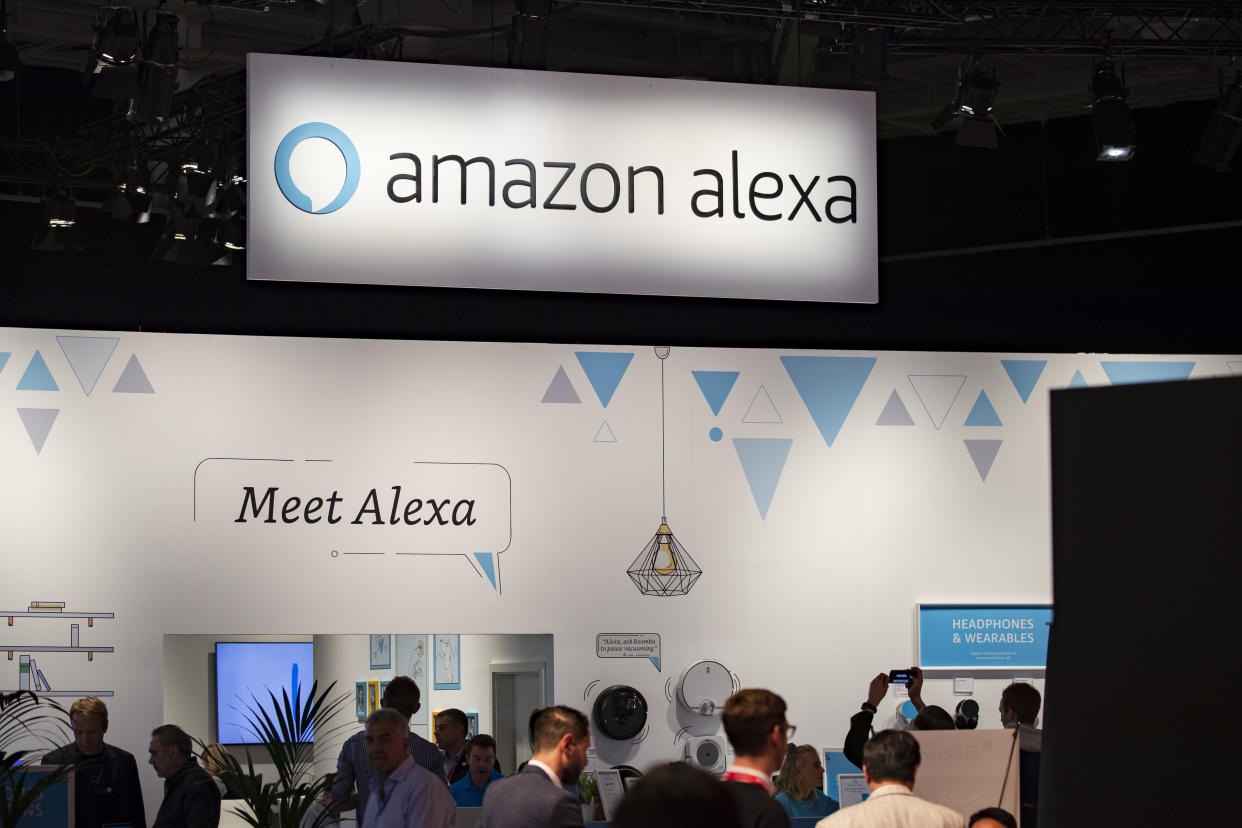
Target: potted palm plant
{"points": [[26, 718], [287, 728]]}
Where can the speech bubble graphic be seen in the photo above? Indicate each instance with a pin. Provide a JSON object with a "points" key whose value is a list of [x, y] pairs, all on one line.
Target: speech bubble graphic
{"points": [[629, 645]]}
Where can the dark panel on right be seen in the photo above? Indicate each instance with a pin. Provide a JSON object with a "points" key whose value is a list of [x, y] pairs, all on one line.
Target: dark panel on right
{"points": [[1140, 721]]}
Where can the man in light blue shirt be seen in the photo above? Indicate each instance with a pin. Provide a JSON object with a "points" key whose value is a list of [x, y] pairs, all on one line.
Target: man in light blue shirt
{"points": [[403, 794], [481, 757]]}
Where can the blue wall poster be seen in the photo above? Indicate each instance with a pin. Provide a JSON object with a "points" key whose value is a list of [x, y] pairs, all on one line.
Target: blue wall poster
{"points": [[983, 636]]}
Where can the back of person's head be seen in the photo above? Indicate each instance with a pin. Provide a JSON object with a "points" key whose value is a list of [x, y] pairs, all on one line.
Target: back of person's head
{"points": [[674, 796], [216, 759], [749, 716], [90, 706], [999, 815], [402, 695], [932, 717], [1023, 700], [457, 717], [387, 715], [891, 756], [554, 722], [172, 736], [482, 741], [787, 779]]}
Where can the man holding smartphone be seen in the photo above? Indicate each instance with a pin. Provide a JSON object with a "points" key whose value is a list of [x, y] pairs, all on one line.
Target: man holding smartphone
{"points": [[860, 722]]}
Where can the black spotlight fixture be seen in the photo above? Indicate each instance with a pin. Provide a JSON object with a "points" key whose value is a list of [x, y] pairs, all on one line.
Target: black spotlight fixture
{"points": [[528, 34], [868, 57], [157, 74], [1114, 128], [10, 63], [973, 100], [112, 67], [1224, 131], [60, 210]]}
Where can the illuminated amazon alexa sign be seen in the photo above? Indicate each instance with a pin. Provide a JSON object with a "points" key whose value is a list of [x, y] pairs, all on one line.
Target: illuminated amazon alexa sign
{"points": [[392, 173]]}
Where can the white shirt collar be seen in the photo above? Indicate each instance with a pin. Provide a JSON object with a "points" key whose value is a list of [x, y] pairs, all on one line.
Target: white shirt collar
{"points": [[555, 779]]}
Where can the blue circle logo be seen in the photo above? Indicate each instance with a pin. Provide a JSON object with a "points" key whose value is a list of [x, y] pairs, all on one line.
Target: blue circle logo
{"points": [[353, 167]]}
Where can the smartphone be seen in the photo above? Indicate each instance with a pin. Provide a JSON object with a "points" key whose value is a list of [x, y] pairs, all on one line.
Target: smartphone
{"points": [[900, 676]]}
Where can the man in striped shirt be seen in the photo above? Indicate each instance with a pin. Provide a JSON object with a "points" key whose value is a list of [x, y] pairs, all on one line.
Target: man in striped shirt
{"points": [[354, 770]]}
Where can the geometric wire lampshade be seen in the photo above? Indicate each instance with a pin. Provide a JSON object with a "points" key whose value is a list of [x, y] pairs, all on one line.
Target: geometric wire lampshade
{"points": [[664, 567]]}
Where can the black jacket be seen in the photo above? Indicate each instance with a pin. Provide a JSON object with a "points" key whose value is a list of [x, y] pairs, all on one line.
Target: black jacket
{"points": [[191, 800], [107, 787]]}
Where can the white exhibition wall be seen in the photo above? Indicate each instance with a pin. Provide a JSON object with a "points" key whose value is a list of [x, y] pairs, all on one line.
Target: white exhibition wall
{"points": [[822, 495]]}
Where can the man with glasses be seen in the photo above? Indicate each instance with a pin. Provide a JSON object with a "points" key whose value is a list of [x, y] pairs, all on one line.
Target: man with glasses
{"points": [[754, 722]]}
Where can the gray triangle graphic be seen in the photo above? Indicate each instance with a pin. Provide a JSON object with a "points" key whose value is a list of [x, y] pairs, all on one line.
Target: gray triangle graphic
{"points": [[561, 390], [895, 412], [983, 453], [605, 434], [133, 379], [38, 422], [762, 409], [87, 357]]}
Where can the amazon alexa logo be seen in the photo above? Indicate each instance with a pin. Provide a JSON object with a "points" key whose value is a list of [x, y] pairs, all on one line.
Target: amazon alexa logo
{"points": [[284, 179]]}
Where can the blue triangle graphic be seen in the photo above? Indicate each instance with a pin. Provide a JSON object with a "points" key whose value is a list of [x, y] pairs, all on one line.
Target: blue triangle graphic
{"points": [[604, 369], [895, 413], [762, 409], [87, 357], [763, 460], [37, 376], [982, 413], [1077, 381], [488, 561], [715, 386], [604, 434], [828, 387], [560, 389], [133, 379], [656, 661], [4, 357], [1127, 373], [1024, 373]]}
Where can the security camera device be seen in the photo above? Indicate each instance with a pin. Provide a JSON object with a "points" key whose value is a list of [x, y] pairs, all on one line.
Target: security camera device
{"points": [[706, 752]]}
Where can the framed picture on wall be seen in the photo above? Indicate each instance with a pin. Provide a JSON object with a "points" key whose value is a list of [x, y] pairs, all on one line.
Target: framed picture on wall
{"points": [[381, 652], [360, 699], [372, 697], [383, 690], [447, 665], [473, 729]]}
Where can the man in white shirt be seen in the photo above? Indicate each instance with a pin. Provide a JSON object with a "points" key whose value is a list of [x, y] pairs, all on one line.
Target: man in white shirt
{"points": [[403, 793], [891, 760]]}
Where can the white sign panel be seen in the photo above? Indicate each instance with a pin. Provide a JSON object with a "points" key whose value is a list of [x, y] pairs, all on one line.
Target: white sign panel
{"points": [[414, 174]]}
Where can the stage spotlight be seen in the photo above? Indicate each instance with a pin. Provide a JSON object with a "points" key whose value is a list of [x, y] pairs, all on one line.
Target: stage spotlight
{"points": [[111, 70], [1114, 129], [972, 101], [231, 234], [10, 63], [868, 57], [1224, 131], [157, 75], [60, 210]]}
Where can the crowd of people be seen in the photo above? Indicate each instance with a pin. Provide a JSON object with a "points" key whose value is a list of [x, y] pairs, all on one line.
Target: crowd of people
{"points": [[393, 778]]}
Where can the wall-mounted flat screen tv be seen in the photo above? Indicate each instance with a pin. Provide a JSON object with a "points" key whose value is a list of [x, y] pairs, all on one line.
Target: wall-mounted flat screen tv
{"points": [[245, 671]]}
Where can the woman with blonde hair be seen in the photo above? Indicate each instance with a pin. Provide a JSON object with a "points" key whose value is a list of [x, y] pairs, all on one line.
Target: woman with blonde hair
{"points": [[797, 786]]}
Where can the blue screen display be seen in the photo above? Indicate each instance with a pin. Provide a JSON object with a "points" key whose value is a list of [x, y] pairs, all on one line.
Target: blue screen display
{"points": [[250, 669]]}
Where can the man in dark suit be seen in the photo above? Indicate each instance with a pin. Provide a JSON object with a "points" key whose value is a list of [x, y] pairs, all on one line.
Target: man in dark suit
{"points": [[535, 797], [754, 721], [107, 788]]}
